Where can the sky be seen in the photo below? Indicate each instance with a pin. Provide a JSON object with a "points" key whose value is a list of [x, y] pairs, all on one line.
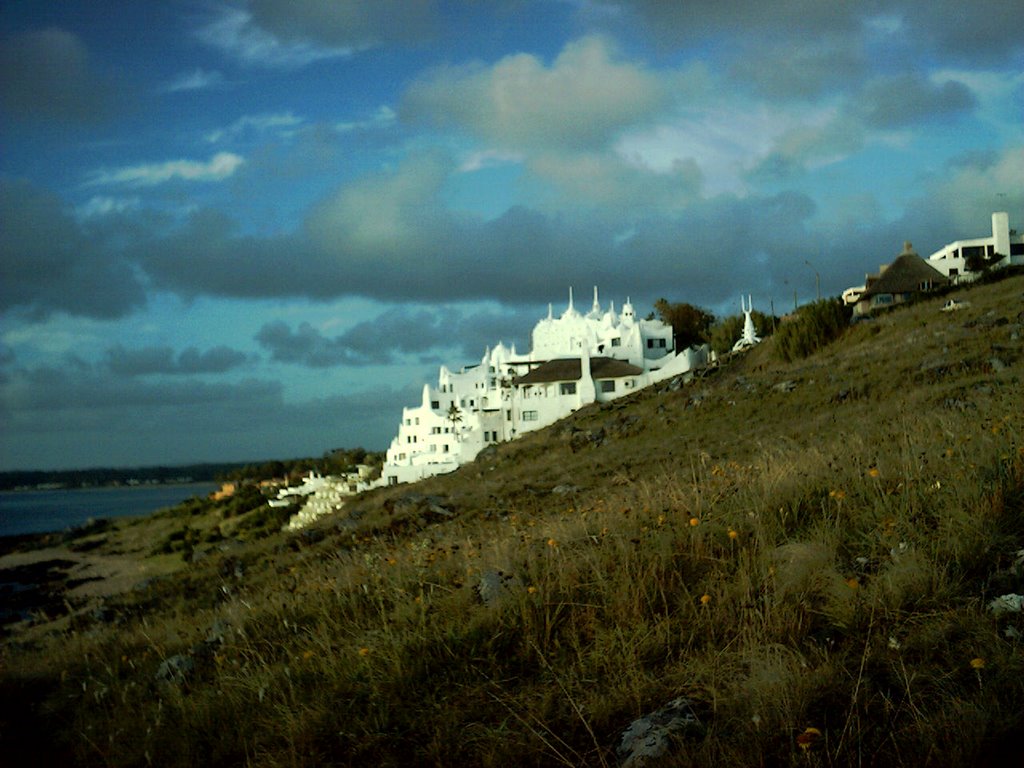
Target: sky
{"points": [[236, 231]]}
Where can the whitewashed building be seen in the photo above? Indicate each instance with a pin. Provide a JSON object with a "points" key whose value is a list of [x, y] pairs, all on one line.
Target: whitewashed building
{"points": [[575, 359], [952, 259]]}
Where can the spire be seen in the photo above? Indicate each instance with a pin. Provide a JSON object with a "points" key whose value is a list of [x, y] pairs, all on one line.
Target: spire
{"points": [[551, 310], [597, 304], [570, 307]]}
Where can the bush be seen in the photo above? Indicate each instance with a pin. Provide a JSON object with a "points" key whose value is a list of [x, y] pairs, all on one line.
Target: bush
{"points": [[815, 326]]}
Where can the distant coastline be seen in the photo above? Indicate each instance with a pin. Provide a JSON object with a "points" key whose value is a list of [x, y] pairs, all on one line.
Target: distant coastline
{"points": [[108, 477]]}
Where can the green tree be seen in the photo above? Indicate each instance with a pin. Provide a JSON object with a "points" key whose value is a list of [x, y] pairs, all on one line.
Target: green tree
{"points": [[455, 417], [690, 325]]}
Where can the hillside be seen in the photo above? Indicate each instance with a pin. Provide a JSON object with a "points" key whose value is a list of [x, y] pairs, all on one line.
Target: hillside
{"points": [[791, 564]]}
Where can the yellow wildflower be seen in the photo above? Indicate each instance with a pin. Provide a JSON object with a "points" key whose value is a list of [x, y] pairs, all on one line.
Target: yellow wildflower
{"points": [[694, 522], [552, 543], [364, 651], [733, 534], [873, 472], [705, 599], [807, 739], [977, 663], [531, 589]]}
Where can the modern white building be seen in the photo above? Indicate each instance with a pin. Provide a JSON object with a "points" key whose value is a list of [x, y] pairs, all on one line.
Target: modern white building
{"points": [[952, 259], [575, 359]]}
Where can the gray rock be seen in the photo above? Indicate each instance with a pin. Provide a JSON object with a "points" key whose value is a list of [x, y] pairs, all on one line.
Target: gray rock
{"points": [[176, 669], [495, 585], [651, 736], [785, 386]]}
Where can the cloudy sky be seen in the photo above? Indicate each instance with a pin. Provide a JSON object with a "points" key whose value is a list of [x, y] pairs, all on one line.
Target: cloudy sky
{"points": [[247, 230]]}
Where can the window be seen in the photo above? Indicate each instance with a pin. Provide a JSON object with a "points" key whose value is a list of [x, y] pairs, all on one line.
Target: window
{"points": [[616, 342], [417, 421], [608, 386], [435, 404], [445, 447], [661, 343], [529, 415], [508, 415], [392, 479], [650, 343], [953, 272], [408, 422], [568, 388], [435, 430]]}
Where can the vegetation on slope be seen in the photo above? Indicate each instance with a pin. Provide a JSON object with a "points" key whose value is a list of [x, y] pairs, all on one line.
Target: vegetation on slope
{"points": [[791, 546]]}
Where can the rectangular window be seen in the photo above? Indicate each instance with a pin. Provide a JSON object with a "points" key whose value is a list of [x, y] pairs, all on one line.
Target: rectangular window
{"points": [[435, 404], [650, 343], [508, 415], [661, 343], [616, 342], [568, 388], [445, 449], [529, 415], [608, 386]]}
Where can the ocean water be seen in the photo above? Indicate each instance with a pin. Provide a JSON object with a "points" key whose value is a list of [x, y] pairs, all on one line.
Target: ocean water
{"points": [[42, 511]]}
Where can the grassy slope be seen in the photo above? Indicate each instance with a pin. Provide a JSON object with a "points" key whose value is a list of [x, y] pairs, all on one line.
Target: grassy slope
{"points": [[819, 557]]}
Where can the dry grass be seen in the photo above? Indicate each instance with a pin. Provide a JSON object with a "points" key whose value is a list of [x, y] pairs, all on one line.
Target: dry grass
{"points": [[819, 557]]}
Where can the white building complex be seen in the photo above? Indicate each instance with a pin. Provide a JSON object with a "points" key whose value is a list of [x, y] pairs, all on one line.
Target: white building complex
{"points": [[576, 359], [952, 260]]}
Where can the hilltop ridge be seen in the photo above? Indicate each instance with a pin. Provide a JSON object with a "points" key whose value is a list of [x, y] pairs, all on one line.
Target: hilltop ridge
{"points": [[769, 564]]}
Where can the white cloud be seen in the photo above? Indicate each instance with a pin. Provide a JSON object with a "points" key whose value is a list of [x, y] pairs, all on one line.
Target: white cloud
{"points": [[383, 116], [103, 205], [489, 158], [280, 123], [583, 98], [221, 166], [234, 32], [196, 80]]}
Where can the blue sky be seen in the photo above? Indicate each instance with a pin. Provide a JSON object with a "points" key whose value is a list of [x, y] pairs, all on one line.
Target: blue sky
{"points": [[248, 230]]}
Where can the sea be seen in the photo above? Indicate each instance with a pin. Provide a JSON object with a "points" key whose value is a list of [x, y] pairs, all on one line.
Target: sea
{"points": [[43, 511]]}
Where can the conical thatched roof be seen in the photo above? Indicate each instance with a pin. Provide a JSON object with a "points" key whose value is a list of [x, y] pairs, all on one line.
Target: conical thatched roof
{"points": [[906, 274]]}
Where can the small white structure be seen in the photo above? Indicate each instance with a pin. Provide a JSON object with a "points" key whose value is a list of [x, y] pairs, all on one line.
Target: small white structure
{"points": [[576, 359], [325, 494], [749, 337], [952, 259]]}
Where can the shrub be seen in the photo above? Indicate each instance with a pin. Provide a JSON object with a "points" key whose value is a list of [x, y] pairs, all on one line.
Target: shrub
{"points": [[815, 326]]}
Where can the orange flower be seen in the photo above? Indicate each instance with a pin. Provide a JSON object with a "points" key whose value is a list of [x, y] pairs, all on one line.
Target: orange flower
{"points": [[733, 534], [364, 651], [978, 663], [705, 599], [852, 583], [531, 589], [552, 543], [694, 521], [873, 472]]}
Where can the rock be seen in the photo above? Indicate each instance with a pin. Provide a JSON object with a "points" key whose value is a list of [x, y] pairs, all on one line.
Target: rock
{"points": [[176, 669], [651, 736], [218, 632], [996, 364], [417, 505], [785, 386], [565, 489], [494, 585], [1010, 603], [585, 438]]}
